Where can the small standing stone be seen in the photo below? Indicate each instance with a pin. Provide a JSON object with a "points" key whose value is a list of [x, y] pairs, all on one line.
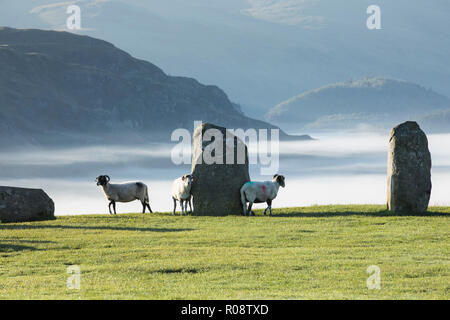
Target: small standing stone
{"points": [[216, 187], [409, 169], [22, 205]]}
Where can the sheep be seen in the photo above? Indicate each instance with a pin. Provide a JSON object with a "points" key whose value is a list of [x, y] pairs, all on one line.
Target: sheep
{"points": [[124, 192], [258, 192], [181, 191]]}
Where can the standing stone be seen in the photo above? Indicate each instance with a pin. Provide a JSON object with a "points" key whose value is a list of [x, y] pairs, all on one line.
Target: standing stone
{"points": [[409, 169], [216, 187], [21, 205]]}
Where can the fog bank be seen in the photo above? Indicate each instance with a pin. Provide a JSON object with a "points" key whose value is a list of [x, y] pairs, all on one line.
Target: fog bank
{"points": [[336, 168]]}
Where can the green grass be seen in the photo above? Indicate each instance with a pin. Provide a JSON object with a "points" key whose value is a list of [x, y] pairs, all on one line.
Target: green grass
{"points": [[299, 253]]}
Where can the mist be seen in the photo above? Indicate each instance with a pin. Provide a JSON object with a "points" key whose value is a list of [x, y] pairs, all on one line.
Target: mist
{"points": [[336, 168]]}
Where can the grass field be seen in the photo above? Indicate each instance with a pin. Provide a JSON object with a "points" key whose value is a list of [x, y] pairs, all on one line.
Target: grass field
{"points": [[299, 253]]}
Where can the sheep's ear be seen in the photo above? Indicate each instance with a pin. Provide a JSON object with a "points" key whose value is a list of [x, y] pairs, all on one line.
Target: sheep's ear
{"points": [[183, 177], [275, 176]]}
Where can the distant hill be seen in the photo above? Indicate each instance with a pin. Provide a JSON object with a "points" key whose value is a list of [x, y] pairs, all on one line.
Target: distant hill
{"points": [[58, 87], [372, 101], [275, 49]]}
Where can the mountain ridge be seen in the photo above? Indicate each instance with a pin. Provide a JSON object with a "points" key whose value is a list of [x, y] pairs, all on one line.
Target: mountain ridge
{"points": [[189, 38], [58, 83], [370, 100]]}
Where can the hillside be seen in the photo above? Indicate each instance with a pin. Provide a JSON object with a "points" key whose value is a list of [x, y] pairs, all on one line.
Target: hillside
{"points": [[276, 49], [373, 101], [58, 87]]}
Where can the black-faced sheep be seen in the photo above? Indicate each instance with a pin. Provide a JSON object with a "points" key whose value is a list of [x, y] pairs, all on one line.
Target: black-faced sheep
{"points": [[124, 192], [258, 192]]}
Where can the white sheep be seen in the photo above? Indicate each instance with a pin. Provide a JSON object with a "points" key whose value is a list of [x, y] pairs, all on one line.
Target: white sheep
{"points": [[181, 191], [258, 192], [124, 192]]}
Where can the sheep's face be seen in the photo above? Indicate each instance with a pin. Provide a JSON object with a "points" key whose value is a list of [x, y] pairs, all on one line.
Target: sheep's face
{"points": [[102, 180], [187, 178], [280, 179]]}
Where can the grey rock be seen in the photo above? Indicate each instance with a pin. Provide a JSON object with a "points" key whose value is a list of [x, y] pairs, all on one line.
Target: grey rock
{"points": [[21, 205], [409, 169], [216, 187]]}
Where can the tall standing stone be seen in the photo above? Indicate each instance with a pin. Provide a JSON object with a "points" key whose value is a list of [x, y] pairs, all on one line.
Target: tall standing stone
{"points": [[409, 169], [21, 205], [216, 186]]}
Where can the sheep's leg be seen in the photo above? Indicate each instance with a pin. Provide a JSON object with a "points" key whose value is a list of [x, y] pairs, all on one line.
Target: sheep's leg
{"points": [[269, 204], [244, 203], [109, 207], [190, 204], [249, 210], [148, 206], [114, 206], [185, 206], [182, 202], [143, 206], [174, 206], [244, 208]]}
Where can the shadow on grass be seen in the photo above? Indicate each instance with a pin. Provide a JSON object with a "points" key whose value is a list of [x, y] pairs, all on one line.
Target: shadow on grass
{"points": [[5, 248], [27, 241], [33, 227], [340, 213], [178, 270]]}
